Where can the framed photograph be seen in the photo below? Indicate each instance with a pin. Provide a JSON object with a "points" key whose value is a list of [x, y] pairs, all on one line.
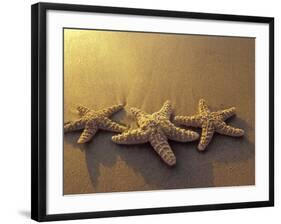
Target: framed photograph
{"points": [[140, 111]]}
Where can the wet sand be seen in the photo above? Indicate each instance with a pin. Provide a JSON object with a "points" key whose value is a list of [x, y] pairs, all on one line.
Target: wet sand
{"points": [[143, 70]]}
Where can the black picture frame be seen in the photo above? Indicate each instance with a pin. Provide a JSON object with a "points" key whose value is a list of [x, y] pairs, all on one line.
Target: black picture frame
{"points": [[38, 108]]}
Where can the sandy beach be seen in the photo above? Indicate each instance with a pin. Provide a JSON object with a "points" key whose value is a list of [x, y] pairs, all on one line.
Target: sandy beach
{"points": [[103, 68]]}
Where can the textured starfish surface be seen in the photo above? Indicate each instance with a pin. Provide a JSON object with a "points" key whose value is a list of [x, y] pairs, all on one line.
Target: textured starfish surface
{"points": [[156, 129], [210, 122], [91, 121]]}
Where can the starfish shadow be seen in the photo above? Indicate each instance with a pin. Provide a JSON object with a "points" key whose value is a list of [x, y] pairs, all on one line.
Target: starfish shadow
{"points": [[144, 161], [100, 151], [158, 175], [193, 168]]}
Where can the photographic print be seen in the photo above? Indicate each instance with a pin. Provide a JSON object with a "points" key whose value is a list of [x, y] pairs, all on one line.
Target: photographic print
{"points": [[150, 111]]}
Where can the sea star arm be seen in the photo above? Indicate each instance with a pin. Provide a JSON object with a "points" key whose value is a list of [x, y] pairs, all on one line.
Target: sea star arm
{"points": [[203, 108], [107, 112], [225, 129], [109, 125], [193, 121], [135, 136], [166, 110], [163, 149], [89, 131], [82, 110], [179, 134], [227, 113], [137, 113], [74, 125], [206, 135]]}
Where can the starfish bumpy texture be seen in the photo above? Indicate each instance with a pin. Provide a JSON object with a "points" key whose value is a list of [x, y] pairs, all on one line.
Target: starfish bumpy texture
{"points": [[210, 122], [156, 129], [92, 120]]}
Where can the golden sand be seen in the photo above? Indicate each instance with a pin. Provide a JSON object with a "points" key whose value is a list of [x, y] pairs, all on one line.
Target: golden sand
{"points": [[144, 70]]}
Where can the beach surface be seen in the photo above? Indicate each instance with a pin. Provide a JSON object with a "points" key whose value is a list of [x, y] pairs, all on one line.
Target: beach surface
{"points": [[143, 70]]}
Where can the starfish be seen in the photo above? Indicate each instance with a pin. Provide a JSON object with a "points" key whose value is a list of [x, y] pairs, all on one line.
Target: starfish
{"points": [[92, 120], [156, 129], [210, 122]]}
